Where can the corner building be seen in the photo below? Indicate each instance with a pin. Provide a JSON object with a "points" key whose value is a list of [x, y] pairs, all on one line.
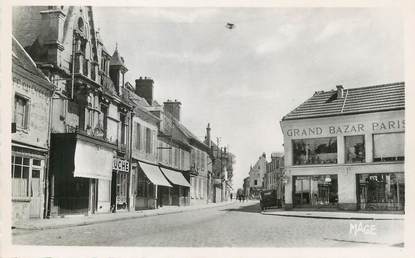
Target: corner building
{"points": [[344, 149]]}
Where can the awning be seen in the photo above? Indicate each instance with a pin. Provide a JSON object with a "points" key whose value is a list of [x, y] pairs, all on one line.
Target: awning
{"points": [[176, 178], [154, 174], [92, 161]]}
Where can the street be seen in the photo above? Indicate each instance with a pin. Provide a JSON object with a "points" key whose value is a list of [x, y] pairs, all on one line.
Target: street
{"points": [[234, 225]]}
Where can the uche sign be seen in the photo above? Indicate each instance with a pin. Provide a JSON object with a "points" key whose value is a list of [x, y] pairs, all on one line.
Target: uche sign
{"points": [[376, 126], [121, 165]]}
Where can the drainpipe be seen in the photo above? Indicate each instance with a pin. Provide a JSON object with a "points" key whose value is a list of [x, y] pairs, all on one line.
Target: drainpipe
{"points": [[130, 153], [49, 197]]}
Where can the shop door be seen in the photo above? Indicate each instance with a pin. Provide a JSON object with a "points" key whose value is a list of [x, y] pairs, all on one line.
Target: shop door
{"points": [[36, 194], [93, 195]]}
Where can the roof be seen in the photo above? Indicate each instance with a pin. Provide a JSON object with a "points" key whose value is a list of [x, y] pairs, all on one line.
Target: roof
{"points": [[24, 64], [116, 59], [377, 98]]}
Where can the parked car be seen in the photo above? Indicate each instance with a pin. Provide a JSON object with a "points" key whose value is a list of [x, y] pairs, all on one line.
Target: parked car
{"points": [[269, 199]]}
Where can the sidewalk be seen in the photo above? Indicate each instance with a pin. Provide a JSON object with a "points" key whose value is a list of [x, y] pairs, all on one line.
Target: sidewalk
{"points": [[335, 215], [81, 220]]}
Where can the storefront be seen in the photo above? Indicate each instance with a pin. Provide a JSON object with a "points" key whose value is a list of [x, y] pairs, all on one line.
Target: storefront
{"points": [[119, 184], [179, 193], [28, 181], [381, 191], [81, 171], [315, 191], [344, 160], [151, 184]]}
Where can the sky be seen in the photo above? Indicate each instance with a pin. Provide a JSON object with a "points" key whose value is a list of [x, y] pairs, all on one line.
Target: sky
{"points": [[243, 81]]}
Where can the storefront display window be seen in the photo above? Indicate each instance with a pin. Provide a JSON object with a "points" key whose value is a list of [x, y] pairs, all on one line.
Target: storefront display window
{"points": [[381, 191], [354, 148], [26, 176], [315, 191], [389, 147], [315, 151]]}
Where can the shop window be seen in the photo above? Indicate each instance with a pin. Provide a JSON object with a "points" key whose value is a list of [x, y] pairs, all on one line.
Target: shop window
{"points": [[142, 185], [21, 112], [381, 191], [20, 176], [388, 147], [315, 151], [315, 191], [354, 148]]}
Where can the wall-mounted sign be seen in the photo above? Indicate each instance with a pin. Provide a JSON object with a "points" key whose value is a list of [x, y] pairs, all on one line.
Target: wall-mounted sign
{"points": [[121, 165], [358, 128]]}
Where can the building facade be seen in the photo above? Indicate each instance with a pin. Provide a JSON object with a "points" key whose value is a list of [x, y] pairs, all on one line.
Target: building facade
{"points": [[31, 99], [173, 155], [256, 175], [90, 118], [274, 172], [345, 149], [146, 176]]}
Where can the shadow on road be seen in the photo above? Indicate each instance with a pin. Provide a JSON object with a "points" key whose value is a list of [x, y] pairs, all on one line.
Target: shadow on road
{"points": [[250, 208]]}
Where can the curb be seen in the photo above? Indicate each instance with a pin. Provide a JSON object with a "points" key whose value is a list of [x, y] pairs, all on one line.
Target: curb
{"points": [[133, 216], [329, 217]]}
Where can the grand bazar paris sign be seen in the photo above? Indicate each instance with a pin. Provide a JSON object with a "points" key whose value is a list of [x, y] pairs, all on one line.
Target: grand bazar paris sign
{"points": [[348, 128]]}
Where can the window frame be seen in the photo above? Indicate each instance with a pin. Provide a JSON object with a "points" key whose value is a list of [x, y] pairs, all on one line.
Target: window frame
{"points": [[26, 111]]}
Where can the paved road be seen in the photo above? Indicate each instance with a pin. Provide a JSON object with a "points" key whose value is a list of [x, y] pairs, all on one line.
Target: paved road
{"points": [[234, 225]]}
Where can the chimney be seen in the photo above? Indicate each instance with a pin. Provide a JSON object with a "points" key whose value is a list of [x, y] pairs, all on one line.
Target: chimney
{"points": [[340, 91], [208, 135], [173, 107], [144, 88]]}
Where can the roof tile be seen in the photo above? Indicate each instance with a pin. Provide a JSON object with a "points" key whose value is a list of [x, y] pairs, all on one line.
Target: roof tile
{"points": [[356, 100]]}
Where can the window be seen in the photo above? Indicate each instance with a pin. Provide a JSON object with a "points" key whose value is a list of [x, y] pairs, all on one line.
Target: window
{"points": [[318, 190], [388, 147], [148, 140], [104, 111], [197, 159], [381, 191], [354, 148], [26, 176], [255, 182], [160, 152], [171, 155], [137, 136], [20, 176], [176, 157], [123, 129], [21, 109], [203, 161], [182, 158], [193, 157], [315, 151]]}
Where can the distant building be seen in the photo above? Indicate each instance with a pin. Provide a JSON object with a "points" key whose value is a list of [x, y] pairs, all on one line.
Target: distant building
{"points": [[246, 186], [256, 175], [274, 173], [345, 149]]}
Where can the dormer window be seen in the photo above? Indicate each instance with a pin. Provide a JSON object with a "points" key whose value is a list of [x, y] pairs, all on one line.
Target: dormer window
{"points": [[81, 24]]}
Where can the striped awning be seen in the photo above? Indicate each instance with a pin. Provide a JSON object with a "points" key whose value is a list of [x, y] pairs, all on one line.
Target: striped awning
{"points": [[175, 177], [154, 174]]}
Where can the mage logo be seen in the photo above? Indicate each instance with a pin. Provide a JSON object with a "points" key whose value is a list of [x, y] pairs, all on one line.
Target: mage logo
{"points": [[366, 229]]}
